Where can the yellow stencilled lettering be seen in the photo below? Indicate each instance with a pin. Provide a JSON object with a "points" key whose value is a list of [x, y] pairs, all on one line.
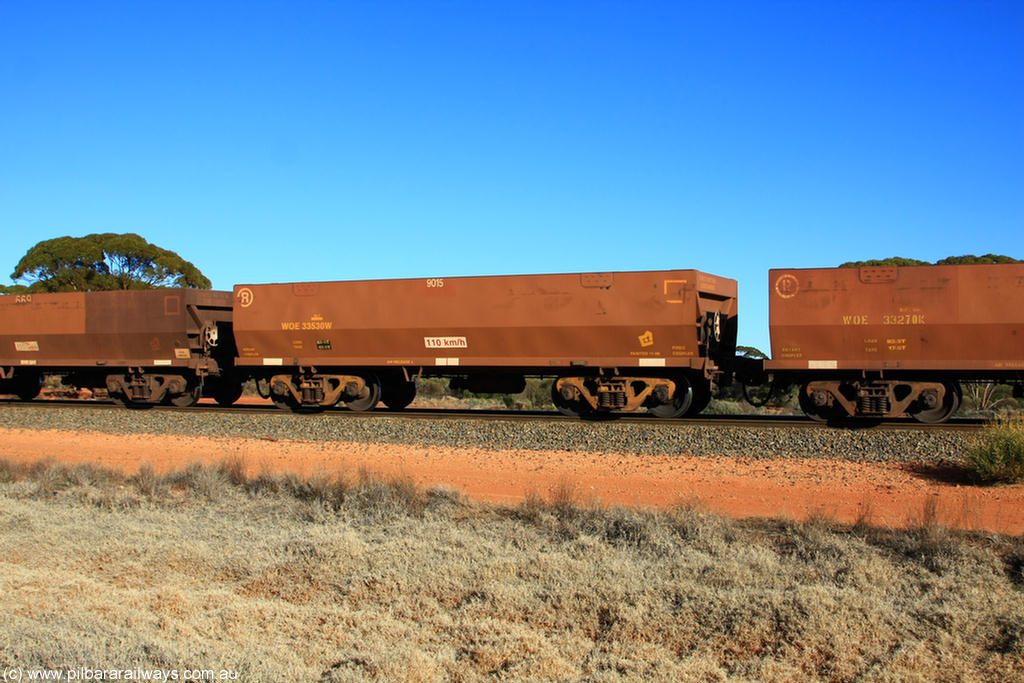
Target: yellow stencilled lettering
{"points": [[855, 320], [896, 344], [904, 319], [290, 326], [791, 352]]}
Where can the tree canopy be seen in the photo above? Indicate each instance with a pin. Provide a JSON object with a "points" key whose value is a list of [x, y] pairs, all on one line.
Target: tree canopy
{"points": [[969, 259], [972, 259], [750, 352], [103, 261]]}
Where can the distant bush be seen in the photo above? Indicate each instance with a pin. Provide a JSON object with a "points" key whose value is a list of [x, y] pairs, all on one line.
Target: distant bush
{"points": [[432, 387], [536, 395], [998, 454], [989, 399], [968, 259]]}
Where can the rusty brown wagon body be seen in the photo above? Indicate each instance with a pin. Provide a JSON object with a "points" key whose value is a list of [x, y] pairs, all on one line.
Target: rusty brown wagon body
{"points": [[142, 346], [612, 340], [888, 341]]}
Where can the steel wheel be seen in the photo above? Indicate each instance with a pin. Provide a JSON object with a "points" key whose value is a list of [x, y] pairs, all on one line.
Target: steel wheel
{"points": [[122, 400], [398, 395], [188, 397], [226, 393], [943, 412], [370, 400], [569, 408], [701, 397], [680, 402], [285, 402], [28, 387], [816, 413]]}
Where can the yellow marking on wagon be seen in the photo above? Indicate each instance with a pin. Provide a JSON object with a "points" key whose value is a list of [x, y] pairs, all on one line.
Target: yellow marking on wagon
{"points": [[674, 282]]}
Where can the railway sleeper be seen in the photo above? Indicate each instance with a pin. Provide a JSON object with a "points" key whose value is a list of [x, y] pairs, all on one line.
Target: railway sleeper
{"points": [[924, 401], [603, 394]]}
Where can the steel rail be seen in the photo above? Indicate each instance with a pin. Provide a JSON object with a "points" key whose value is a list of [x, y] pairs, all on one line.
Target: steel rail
{"points": [[751, 421]]}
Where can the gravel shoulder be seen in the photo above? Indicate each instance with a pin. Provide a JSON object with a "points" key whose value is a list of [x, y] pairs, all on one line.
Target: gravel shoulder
{"points": [[886, 478], [893, 479]]}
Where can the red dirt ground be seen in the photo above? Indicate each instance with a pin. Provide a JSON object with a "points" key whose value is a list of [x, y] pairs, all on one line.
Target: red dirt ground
{"points": [[882, 494]]}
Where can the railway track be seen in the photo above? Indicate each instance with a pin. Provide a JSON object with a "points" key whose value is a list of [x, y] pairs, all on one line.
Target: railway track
{"points": [[751, 421]]}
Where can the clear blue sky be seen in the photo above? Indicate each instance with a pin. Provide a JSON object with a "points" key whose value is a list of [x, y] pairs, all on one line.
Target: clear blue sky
{"points": [[282, 141]]}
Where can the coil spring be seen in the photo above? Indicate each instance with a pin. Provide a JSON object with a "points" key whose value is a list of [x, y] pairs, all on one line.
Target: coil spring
{"points": [[611, 399], [311, 392], [877, 404]]}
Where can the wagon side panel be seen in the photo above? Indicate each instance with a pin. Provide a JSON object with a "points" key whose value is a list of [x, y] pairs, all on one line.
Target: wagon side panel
{"points": [[599, 319]]}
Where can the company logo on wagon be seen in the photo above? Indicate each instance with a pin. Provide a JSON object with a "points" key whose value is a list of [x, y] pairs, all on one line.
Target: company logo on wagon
{"points": [[245, 297], [787, 286]]}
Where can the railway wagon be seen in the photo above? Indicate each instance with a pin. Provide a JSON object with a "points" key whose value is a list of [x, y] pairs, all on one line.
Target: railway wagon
{"points": [[141, 346], [895, 340], [612, 341]]}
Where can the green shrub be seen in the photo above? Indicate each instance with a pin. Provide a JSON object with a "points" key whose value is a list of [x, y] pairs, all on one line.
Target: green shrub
{"points": [[998, 454], [432, 387]]}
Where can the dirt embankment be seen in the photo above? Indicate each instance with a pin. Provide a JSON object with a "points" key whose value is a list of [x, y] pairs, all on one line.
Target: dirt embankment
{"points": [[893, 495]]}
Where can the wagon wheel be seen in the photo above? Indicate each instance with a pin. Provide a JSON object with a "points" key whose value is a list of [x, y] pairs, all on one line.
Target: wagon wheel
{"points": [[679, 404], [189, 397], [701, 397], [399, 394], [567, 407], [941, 413], [370, 400], [285, 402], [227, 392], [816, 413], [28, 387], [120, 399]]}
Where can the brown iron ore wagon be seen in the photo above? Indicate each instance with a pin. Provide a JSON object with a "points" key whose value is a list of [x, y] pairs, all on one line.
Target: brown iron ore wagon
{"points": [[891, 341], [141, 346], [612, 341]]}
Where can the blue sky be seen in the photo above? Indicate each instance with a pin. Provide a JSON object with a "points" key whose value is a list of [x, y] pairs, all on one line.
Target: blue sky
{"points": [[274, 141]]}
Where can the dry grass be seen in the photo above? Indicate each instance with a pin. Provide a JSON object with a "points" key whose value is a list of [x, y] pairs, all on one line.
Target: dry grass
{"points": [[997, 455], [348, 577]]}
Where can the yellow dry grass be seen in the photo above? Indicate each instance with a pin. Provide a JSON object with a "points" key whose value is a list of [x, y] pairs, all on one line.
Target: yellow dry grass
{"points": [[346, 577]]}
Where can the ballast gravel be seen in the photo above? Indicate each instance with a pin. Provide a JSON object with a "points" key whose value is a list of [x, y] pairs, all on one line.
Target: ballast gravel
{"points": [[860, 445]]}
